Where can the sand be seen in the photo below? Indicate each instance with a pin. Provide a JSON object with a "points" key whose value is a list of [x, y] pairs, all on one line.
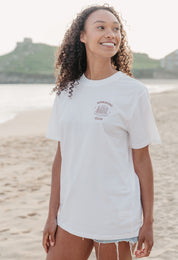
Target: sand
{"points": [[25, 174]]}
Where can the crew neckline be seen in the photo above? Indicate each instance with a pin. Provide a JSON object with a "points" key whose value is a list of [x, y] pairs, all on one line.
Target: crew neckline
{"points": [[95, 82]]}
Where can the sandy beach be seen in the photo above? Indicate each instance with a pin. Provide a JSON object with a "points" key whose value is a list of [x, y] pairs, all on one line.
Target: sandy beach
{"points": [[26, 158]]}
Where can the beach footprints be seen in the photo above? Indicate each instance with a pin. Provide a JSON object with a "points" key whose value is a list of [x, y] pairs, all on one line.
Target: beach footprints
{"points": [[33, 214], [22, 217], [4, 230], [29, 215]]}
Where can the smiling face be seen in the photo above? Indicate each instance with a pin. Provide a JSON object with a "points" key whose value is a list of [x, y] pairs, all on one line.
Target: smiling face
{"points": [[101, 34]]}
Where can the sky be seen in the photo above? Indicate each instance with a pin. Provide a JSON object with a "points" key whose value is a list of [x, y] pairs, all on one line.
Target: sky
{"points": [[151, 25]]}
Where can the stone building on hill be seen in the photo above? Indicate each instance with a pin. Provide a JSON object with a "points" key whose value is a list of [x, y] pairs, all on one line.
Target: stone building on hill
{"points": [[170, 62], [25, 41]]}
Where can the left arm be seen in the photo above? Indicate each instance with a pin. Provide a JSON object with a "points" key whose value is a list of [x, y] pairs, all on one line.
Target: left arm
{"points": [[143, 168], [144, 171]]}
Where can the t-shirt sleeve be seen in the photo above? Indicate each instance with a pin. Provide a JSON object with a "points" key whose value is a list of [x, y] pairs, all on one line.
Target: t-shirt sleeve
{"points": [[142, 126], [53, 130]]}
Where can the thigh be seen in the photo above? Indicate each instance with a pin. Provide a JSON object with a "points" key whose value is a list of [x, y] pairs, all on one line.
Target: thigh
{"points": [[69, 246], [113, 251]]}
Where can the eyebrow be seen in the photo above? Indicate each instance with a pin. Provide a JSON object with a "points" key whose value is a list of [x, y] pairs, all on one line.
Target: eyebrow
{"points": [[99, 21]]}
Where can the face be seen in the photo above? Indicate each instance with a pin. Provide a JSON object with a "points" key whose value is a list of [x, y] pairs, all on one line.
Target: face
{"points": [[101, 34]]}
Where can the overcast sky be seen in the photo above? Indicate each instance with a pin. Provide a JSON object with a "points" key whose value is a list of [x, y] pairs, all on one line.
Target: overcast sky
{"points": [[151, 25]]}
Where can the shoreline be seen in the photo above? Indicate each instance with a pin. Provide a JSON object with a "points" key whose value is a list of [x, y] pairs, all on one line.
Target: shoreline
{"points": [[35, 122]]}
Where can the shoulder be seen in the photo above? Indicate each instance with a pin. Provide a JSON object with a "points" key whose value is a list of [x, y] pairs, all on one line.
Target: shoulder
{"points": [[61, 98], [132, 85], [62, 94]]}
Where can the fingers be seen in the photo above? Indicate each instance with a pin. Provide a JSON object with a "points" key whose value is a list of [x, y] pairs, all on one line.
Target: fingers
{"points": [[148, 247], [145, 251], [46, 241], [140, 244], [140, 252], [52, 239]]}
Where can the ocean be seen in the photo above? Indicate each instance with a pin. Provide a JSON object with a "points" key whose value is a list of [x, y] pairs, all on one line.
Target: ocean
{"points": [[15, 98]]}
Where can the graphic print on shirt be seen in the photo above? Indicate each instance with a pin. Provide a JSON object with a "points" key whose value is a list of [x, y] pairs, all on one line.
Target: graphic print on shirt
{"points": [[102, 109]]}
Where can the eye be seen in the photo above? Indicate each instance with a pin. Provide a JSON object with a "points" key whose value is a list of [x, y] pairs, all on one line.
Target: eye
{"points": [[116, 28], [100, 27]]}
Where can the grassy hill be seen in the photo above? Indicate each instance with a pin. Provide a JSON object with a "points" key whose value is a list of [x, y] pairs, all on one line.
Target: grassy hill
{"points": [[36, 60], [142, 61], [29, 58]]}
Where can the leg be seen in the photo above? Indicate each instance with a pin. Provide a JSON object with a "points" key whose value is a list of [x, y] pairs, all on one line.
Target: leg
{"points": [[69, 246], [113, 251]]}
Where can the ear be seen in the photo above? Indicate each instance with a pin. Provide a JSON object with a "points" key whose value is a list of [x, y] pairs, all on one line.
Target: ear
{"points": [[82, 36]]}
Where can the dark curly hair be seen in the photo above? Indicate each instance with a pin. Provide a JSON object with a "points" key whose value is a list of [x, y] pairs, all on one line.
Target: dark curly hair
{"points": [[71, 61]]}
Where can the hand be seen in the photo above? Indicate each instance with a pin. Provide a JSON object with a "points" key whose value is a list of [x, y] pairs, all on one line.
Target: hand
{"points": [[49, 233], [146, 238]]}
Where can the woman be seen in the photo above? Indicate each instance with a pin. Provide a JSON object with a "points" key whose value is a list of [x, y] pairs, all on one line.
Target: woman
{"points": [[102, 177]]}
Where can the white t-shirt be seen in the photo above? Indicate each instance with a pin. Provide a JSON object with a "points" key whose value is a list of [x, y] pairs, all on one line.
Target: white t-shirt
{"points": [[97, 127]]}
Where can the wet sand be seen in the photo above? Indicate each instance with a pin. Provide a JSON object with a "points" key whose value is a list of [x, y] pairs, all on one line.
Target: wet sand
{"points": [[25, 165]]}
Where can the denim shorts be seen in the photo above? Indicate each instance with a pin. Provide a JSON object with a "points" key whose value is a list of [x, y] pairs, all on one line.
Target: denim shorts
{"points": [[132, 240], [132, 243]]}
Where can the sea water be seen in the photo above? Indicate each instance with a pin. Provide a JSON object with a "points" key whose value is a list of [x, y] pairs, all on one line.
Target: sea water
{"points": [[15, 98]]}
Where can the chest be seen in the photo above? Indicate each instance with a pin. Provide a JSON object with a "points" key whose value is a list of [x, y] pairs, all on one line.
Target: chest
{"points": [[103, 112]]}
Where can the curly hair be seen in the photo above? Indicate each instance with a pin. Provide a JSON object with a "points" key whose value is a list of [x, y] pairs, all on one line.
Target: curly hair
{"points": [[71, 60]]}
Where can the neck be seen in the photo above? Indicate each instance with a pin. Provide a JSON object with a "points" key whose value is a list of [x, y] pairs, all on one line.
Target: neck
{"points": [[99, 68]]}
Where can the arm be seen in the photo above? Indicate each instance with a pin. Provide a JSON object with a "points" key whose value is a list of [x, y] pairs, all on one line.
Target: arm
{"points": [[54, 202], [144, 171]]}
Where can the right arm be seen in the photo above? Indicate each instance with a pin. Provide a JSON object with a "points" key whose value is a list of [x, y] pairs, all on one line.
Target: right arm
{"points": [[54, 202]]}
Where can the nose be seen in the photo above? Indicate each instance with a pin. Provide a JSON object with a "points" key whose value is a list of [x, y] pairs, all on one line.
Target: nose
{"points": [[109, 34]]}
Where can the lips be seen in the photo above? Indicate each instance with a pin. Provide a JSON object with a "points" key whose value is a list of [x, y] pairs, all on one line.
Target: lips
{"points": [[108, 43]]}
